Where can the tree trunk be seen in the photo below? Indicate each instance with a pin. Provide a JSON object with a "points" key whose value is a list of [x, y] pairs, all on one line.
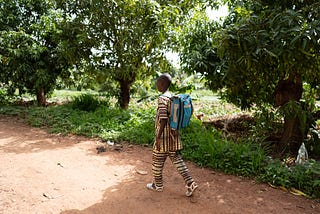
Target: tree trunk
{"points": [[292, 136], [124, 98], [41, 97], [290, 90]]}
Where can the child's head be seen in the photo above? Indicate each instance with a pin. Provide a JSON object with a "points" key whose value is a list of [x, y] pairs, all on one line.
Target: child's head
{"points": [[163, 82]]}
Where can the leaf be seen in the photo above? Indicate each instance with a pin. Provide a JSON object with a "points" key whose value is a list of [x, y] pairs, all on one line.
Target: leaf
{"points": [[304, 43], [297, 192], [270, 53]]}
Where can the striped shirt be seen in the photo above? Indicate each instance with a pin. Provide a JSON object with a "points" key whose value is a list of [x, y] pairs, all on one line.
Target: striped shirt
{"points": [[170, 139]]}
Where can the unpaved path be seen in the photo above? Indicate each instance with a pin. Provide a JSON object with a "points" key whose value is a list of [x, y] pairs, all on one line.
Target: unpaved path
{"points": [[45, 173]]}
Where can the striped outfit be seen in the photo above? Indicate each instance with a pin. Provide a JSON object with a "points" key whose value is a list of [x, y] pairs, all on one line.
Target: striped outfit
{"points": [[169, 144]]}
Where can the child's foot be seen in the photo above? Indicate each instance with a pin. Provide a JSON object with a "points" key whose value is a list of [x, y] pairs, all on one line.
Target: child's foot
{"points": [[152, 186], [191, 188]]}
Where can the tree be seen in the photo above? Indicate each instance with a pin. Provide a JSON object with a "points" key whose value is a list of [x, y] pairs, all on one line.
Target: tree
{"points": [[130, 37], [198, 53], [125, 37], [263, 54], [37, 46]]}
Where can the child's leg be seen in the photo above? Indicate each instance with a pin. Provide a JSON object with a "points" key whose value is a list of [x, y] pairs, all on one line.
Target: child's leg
{"points": [[183, 170], [181, 166], [158, 160]]}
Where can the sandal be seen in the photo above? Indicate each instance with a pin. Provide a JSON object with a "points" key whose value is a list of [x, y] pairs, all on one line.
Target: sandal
{"points": [[152, 186], [191, 188]]}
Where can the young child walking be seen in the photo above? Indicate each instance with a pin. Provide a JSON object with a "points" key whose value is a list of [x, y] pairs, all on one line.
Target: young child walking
{"points": [[167, 141]]}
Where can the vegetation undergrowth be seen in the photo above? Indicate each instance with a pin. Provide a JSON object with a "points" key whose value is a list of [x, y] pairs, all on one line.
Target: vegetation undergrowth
{"points": [[205, 146]]}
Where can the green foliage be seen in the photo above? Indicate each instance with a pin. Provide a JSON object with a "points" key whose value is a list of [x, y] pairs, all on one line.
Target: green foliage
{"points": [[134, 125], [208, 148], [182, 85], [293, 109], [292, 44], [128, 39], [86, 102], [197, 53], [12, 111], [307, 124], [3, 97], [50, 44], [305, 178], [140, 127], [38, 45], [126, 36], [259, 45], [313, 141]]}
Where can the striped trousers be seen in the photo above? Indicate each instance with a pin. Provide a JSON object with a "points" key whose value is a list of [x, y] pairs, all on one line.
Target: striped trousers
{"points": [[158, 160]]}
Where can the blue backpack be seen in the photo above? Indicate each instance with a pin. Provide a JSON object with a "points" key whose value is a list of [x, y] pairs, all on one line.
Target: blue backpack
{"points": [[181, 111]]}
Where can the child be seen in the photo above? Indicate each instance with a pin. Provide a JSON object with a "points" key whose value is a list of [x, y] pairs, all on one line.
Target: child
{"points": [[167, 141]]}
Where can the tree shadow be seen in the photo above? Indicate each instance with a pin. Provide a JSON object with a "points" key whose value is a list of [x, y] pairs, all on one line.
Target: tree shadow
{"points": [[17, 137], [132, 196]]}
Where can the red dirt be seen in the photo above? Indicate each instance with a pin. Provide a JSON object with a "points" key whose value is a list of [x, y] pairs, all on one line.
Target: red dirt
{"points": [[48, 173]]}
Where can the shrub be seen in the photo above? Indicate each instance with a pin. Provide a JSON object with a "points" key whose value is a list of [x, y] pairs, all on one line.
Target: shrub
{"points": [[86, 102], [4, 98], [302, 177]]}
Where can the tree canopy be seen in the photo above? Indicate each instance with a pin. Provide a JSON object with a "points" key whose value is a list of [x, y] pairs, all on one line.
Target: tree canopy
{"points": [[267, 44], [110, 42], [263, 53], [126, 35], [37, 45], [130, 38]]}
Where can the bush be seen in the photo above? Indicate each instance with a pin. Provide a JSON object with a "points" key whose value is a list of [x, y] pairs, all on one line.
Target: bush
{"points": [[86, 102], [140, 127], [4, 98], [302, 177]]}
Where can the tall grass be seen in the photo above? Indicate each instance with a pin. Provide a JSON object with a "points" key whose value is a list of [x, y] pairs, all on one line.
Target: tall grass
{"points": [[207, 147]]}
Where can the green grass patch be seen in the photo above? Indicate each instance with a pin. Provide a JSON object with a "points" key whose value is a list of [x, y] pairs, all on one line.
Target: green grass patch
{"points": [[208, 148]]}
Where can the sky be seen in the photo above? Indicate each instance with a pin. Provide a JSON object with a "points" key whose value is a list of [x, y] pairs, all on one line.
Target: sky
{"points": [[217, 14]]}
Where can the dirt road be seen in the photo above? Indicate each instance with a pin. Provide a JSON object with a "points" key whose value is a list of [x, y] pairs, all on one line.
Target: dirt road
{"points": [[45, 173]]}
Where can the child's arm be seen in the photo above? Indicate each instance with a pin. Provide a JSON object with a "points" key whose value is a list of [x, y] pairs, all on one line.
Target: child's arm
{"points": [[163, 123], [162, 113], [158, 137]]}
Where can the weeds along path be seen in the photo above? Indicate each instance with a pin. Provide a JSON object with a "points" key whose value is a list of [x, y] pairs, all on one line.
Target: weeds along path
{"points": [[46, 173]]}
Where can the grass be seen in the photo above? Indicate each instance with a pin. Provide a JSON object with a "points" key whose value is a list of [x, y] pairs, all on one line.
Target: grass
{"points": [[206, 147]]}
